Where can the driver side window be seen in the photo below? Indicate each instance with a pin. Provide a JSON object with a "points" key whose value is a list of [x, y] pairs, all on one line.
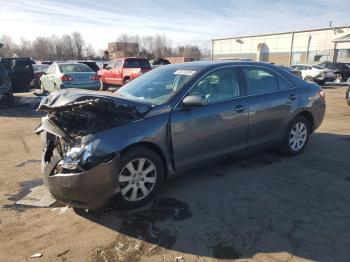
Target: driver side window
{"points": [[220, 85]]}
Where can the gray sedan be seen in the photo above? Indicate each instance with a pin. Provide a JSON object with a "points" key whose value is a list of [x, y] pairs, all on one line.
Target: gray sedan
{"points": [[121, 146]]}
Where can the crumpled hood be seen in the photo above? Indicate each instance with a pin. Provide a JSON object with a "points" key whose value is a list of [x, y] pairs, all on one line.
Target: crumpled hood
{"points": [[75, 97], [75, 113]]}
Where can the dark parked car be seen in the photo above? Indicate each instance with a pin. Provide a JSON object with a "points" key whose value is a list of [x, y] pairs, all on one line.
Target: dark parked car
{"points": [[341, 70], [6, 93], [98, 146], [91, 64], [39, 71], [21, 72]]}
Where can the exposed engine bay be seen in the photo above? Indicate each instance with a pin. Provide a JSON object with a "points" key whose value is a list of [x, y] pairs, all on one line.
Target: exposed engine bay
{"points": [[71, 117]]}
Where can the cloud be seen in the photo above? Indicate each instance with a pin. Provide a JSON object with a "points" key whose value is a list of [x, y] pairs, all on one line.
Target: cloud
{"points": [[183, 21]]}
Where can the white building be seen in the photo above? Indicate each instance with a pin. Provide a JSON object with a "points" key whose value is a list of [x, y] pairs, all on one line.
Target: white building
{"points": [[309, 46]]}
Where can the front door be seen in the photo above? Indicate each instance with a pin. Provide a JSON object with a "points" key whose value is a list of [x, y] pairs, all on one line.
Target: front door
{"points": [[220, 127]]}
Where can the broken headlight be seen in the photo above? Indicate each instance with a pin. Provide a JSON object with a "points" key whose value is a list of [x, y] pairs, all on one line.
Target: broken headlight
{"points": [[76, 157]]}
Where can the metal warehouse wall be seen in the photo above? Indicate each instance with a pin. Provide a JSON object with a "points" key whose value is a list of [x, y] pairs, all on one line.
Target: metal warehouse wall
{"points": [[311, 46]]}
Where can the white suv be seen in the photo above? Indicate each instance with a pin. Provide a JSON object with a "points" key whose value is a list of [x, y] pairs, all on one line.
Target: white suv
{"points": [[315, 73]]}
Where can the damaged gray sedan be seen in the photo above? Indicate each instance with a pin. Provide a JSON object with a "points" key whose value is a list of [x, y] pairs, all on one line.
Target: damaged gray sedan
{"points": [[99, 148]]}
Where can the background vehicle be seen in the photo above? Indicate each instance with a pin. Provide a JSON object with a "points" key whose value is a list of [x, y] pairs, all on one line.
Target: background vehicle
{"points": [[341, 70], [291, 70], [91, 64], [315, 73], [169, 120], [347, 94], [122, 71], [6, 93], [39, 70], [69, 75], [20, 71], [46, 62]]}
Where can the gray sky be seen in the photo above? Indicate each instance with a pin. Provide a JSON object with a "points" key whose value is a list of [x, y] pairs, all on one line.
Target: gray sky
{"points": [[184, 22]]}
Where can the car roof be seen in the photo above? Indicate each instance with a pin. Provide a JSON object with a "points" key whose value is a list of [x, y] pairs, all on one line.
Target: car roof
{"points": [[201, 65]]}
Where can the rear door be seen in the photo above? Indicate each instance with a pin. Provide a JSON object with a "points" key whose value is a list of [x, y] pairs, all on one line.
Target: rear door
{"points": [[272, 103], [220, 127]]}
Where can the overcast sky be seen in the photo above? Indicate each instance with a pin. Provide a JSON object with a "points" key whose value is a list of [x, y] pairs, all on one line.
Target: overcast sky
{"points": [[183, 21]]}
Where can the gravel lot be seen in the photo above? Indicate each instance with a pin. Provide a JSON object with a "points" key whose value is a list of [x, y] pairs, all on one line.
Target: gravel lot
{"points": [[259, 207]]}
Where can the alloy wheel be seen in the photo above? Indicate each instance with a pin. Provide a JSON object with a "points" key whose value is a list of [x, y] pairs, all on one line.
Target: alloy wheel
{"points": [[298, 136], [137, 179]]}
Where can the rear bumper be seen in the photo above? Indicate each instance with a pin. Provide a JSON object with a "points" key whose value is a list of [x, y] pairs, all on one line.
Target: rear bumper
{"points": [[91, 189], [93, 86]]}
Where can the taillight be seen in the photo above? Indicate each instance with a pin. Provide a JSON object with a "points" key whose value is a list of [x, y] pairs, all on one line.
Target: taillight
{"points": [[94, 77], [66, 78], [322, 94]]}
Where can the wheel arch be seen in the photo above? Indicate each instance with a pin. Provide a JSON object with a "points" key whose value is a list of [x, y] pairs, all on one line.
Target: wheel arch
{"points": [[152, 147], [309, 117]]}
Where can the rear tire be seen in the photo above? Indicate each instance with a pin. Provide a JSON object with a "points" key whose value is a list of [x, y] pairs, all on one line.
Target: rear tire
{"points": [[140, 177], [103, 85], [126, 80], [339, 77], [296, 137], [309, 79]]}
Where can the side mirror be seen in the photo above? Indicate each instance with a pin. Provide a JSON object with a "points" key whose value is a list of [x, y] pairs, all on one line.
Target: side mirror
{"points": [[190, 101]]}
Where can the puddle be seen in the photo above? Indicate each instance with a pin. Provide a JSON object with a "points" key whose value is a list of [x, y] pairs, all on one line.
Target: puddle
{"points": [[142, 224], [27, 162], [221, 251]]}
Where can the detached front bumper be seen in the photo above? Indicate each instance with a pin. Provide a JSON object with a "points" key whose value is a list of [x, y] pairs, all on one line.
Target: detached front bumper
{"points": [[90, 189]]}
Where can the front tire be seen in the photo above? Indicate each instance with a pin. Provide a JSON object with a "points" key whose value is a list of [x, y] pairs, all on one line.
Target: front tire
{"points": [[296, 137], [141, 175]]}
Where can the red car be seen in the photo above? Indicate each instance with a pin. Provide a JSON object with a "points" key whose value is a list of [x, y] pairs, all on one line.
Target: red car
{"points": [[123, 70]]}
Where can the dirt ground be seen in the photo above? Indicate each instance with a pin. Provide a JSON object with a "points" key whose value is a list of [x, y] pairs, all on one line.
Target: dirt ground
{"points": [[259, 207]]}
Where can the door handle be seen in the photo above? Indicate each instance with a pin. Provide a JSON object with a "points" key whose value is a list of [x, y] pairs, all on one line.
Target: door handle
{"points": [[240, 108], [292, 97]]}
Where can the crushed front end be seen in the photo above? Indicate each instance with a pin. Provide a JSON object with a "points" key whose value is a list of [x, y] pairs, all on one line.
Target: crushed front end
{"points": [[77, 168]]}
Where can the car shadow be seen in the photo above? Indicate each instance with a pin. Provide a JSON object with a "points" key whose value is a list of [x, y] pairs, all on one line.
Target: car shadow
{"points": [[260, 204]]}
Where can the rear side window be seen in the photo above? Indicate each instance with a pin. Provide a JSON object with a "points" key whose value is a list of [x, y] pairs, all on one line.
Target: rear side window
{"points": [[137, 63], [260, 80], [72, 68], [283, 84]]}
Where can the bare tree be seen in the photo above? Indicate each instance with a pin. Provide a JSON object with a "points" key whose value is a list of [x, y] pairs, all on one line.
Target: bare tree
{"points": [[189, 51], [79, 43], [8, 46], [68, 47], [90, 52]]}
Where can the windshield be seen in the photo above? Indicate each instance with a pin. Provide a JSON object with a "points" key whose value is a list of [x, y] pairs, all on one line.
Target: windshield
{"points": [[318, 67], [157, 86], [134, 63], [72, 68]]}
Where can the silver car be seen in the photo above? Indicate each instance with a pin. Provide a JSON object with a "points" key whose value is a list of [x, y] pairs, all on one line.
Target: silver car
{"points": [[120, 147], [69, 75]]}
